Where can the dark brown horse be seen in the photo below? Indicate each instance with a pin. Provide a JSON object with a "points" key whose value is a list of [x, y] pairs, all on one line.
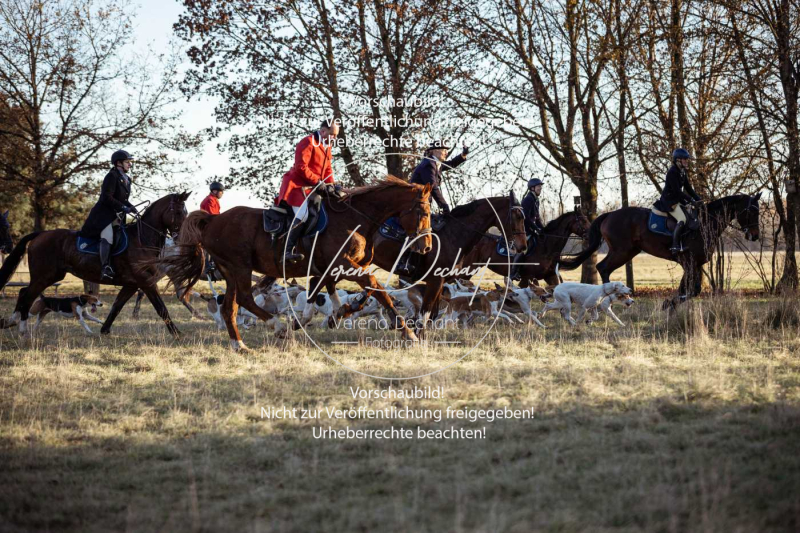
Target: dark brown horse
{"points": [[53, 254], [238, 244], [626, 232], [466, 225], [6, 244], [539, 263]]}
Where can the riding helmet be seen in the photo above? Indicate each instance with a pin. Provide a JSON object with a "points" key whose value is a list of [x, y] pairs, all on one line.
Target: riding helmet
{"points": [[680, 153], [120, 155], [533, 182], [216, 186]]}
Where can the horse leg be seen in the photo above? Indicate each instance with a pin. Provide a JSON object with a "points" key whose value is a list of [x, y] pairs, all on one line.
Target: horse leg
{"points": [[613, 261], [122, 298], [433, 291], [137, 306], [183, 297], [229, 312], [158, 304], [244, 298]]}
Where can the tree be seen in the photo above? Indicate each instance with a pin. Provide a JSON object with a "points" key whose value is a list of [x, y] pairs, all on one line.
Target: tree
{"points": [[69, 99], [279, 69]]}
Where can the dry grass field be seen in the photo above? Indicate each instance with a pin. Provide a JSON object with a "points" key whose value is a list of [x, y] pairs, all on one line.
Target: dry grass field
{"points": [[682, 423]]}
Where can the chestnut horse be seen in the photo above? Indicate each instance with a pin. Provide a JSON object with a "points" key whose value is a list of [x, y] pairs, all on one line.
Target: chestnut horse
{"points": [[52, 254], [539, 263], [626, 232], [6, 244], [238, 245]]}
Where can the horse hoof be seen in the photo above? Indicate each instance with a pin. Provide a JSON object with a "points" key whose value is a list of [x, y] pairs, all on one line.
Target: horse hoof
{"points": [[105, 331]]}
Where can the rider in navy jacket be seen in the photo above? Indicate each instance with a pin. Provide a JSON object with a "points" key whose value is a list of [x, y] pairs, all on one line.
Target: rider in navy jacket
{"points": [[431, 167]]}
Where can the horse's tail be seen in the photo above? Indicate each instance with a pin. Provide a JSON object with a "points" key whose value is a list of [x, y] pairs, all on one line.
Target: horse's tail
{"points": [[12, 261], [184, 263], [595, 240]]}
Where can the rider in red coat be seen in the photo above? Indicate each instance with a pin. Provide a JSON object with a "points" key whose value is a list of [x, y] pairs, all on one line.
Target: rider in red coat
{"points": [[210, 203], [312, 164]]}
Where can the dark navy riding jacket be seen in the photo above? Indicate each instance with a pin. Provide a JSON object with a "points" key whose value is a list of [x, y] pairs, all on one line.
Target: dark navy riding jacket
{"points": [[677, 189], [533, 220], [428, 172]]}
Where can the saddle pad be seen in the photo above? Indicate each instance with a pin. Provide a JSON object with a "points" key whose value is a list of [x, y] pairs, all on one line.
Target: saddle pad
{"points": [[322, 220], [658, 224], [391, 229], [91, 246], [272, 217], [501, 248]]}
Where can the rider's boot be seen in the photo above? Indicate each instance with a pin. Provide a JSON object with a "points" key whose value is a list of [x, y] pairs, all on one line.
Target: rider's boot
{"points": [[404, 266], [516, 275], [104, 249], [676, 239], [291, 241]]}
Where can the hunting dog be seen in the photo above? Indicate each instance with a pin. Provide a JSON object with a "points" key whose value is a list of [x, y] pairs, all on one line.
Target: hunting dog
{"points": [[606, 304], [78, 307], [588, 297]]}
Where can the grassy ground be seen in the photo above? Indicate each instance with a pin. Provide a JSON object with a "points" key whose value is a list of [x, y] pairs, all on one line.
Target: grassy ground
{"points": [[689, 423]]}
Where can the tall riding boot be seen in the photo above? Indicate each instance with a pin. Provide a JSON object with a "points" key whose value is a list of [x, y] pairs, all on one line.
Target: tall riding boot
{"points": [[105, 256], [676, 239], [293, 236], [516, 267]]}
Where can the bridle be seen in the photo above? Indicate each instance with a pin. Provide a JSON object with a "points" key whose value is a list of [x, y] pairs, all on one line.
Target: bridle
{"points": [[171, 231], [750, 206]]}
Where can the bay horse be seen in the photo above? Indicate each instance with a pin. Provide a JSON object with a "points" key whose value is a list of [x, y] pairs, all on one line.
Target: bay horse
{"points": [[6, 244], [53, 254], [545, 255], [238, 245], [626, 233], [466, 225]]}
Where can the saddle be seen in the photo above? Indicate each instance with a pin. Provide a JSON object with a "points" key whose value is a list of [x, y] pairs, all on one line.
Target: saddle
{"points": [[277, 220], [663, 223], [92, 246]]}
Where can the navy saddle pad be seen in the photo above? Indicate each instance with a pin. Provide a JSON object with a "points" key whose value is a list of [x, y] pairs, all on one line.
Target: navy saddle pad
{"points": [[658, 224], [90, 246], [391, 229], [277, 223], [501, 248]]}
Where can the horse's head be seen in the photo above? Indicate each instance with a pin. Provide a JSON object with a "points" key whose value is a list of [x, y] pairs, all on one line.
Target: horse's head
{"points": [[6, 245], [416, 220], [579, 224], [169, 212], [747, 215], [514, 225]]}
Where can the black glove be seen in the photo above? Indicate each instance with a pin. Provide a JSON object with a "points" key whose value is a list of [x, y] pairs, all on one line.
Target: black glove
{"points": [[132, 209], [465, 150], [126, 209], [446, 210]]}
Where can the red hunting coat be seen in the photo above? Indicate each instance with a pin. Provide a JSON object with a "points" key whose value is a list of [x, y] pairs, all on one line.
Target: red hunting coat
{"points": [[312, 164]]}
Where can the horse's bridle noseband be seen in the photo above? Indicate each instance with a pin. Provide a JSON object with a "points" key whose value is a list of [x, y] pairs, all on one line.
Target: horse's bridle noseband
{"points": [[419, 209]]}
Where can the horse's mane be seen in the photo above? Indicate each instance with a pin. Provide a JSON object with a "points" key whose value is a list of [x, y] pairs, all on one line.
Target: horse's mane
{"points": [[385, 183], [726, 201], [556, 222], [466, 209]]}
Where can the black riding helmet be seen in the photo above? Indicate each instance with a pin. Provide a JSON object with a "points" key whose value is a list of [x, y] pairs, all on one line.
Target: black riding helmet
{"points": [[533, 182], [680, 153], [216, 186], [438, 144], [120, 155]]}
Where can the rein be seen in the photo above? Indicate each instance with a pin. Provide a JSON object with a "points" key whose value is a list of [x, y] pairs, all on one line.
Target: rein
{"points": [[162, 234], [485, 233], [416, 207]]}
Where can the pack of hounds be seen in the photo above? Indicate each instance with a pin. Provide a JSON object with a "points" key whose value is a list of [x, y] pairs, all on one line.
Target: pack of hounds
{"points": [[461, 303]]}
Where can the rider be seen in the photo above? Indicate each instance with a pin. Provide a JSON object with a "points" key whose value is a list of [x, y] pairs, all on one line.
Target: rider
{"points": [[312, 164], [533, 221], [429, 171], [677, 192], [431, 167], [210, 203], [111, 208]]}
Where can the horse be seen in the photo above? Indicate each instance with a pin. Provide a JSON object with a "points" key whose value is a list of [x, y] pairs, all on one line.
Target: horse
{"points": [[238, 245], [626, 233], [466, 225], [54, 253], [6, 244], [539, 262]]}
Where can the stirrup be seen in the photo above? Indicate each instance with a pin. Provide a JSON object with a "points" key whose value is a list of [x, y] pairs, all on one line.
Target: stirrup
{"points": [[292, 257], [108, 272]]}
